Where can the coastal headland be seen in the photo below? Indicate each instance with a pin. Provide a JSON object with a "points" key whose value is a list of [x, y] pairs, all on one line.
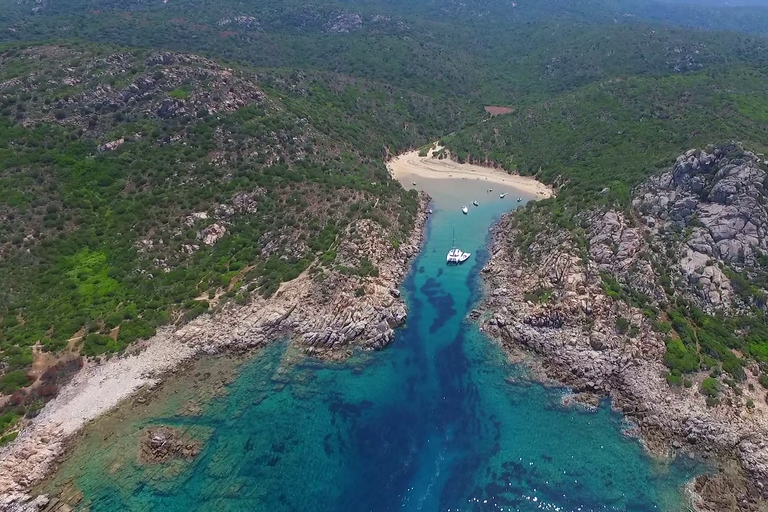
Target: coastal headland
{"points": [[574, 309], [326, 313]]}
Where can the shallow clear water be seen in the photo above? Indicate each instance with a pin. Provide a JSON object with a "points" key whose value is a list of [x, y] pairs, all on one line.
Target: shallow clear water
{"points": [[439, 421]]}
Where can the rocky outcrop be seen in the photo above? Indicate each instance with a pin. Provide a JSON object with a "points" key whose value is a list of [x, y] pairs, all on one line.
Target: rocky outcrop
{"points": [[344, 23], [590, 307], [710, 210], [212, 233], [173, 85]]}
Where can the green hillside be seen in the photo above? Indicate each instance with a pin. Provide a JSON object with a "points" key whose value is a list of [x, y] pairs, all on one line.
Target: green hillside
{"points": [[615, 133], [105, 241]]}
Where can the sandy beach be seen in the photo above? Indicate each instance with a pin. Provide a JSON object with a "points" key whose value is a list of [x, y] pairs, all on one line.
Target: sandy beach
{"points": [[409, 167]]}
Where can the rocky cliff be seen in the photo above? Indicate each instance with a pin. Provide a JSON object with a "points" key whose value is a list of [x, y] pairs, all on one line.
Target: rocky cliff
{"points": [[657, 305]]}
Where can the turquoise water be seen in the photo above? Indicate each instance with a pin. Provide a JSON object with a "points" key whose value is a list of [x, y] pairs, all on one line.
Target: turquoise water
{"points": [[439, 421]]}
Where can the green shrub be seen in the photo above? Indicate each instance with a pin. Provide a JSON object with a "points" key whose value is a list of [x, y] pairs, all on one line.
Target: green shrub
{"points": [[7, 438], [96, 344], [53, 345], [14, 380], [710, 387], [679, 357], [180, 93], [674, 378], [538, 295]]}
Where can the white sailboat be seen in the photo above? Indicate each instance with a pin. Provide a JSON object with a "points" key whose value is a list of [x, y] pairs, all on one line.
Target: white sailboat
{"points": [[456, 255], [464, 210]]}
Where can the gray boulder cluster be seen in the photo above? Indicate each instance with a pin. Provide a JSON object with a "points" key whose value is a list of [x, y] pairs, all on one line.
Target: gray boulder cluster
{"points": [[710, 209]]}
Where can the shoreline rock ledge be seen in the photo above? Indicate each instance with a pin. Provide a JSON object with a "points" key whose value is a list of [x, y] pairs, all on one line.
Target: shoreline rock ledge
{"points": [[327, 313], [592, 307]]}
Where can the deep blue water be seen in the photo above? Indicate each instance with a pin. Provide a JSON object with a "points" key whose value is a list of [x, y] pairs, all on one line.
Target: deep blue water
{"points": [[439, 421]]}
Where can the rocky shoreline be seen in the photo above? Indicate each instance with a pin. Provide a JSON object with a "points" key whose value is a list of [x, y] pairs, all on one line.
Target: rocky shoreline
{"points": [[550, 299], [326, 312]]}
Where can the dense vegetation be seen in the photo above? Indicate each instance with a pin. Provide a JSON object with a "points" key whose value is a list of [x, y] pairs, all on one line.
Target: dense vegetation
{"points": [[484, 51]]}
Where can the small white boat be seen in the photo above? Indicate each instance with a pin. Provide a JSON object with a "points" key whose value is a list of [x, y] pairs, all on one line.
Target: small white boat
{"points": [[429, 212], [475, 203], [464, 210], [502, 196], [519, 199], [414, 183]]}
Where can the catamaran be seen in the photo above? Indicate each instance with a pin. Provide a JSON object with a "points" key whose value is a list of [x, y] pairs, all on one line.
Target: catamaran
{"points": [[464, 210], [456, 255]]}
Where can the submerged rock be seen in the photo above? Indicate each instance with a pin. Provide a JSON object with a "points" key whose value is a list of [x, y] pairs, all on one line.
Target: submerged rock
{"points": [[160, 444]]}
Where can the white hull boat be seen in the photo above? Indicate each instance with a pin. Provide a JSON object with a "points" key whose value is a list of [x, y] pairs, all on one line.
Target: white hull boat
{"points": [[464, 210], [456, 255], [502, 196]]}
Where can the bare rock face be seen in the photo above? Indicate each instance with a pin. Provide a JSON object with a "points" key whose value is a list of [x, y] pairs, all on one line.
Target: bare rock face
{"points": [[617, 246], [714, 204], [343, 23], [362, 312], [112, 145]]}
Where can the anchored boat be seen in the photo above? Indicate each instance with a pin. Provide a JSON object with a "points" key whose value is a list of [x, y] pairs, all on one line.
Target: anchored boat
{"points": [[464, 210], [502, 196], [456, 255], [475, 203]]}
